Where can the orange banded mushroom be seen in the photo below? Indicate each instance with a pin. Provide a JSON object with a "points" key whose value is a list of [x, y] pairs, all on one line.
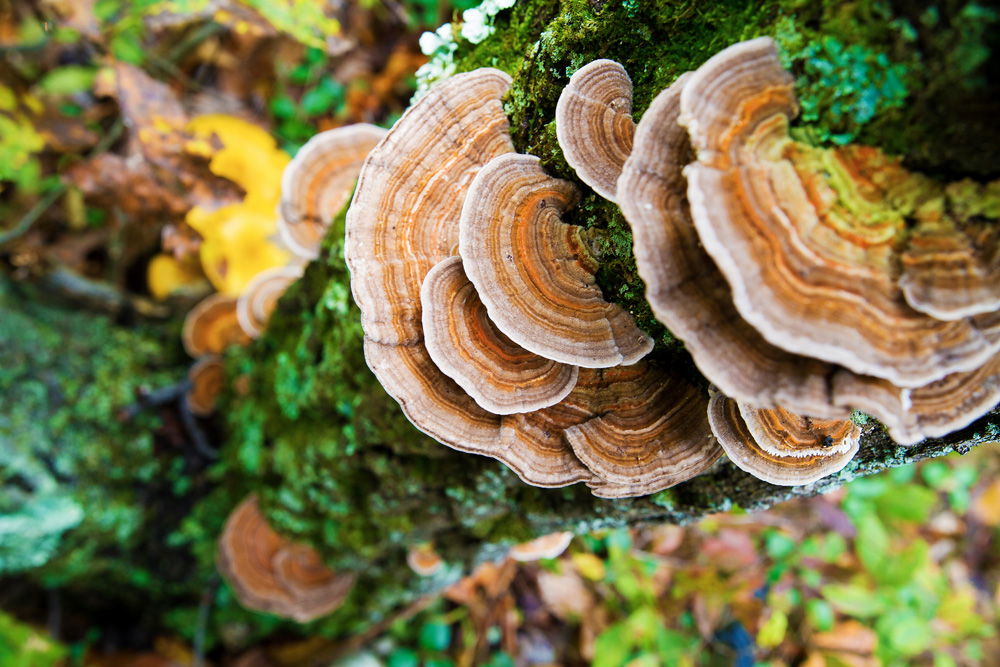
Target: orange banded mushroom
{"points": [[500, 375], [535, 273], [270, 574], [546, 546], [318, 182], [813, 274], [779, 447], [423, 560], [647, 430], [260, 297], [207, 378], [594, 124], [684, 287], [212, 326]]}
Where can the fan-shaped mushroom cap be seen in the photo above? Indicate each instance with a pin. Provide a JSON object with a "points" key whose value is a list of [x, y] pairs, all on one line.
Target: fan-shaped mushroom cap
{"points": [[404, 220], [270, 574], [951, 273], [791, 449], [212, 326], [424, 561], [259, 298], [546, 546], [813, 278], [647, 429], [684, 287], [931, 411], [594, 124], [535, 273], [207, 378], [318, 182], [500, 375]]}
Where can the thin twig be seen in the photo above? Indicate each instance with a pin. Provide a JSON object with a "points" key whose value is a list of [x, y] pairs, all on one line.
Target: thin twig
{"points": [[197, 435], [202, 624]]}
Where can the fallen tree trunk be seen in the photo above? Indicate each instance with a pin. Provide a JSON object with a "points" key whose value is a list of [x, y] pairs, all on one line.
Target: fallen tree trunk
{"points": [[333, 457]]}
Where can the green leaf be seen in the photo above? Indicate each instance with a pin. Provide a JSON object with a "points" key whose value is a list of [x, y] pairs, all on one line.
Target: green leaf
{"points": [[402, 657], [435, 636], [778, 545], [282, 107], [613, 646], [936, 473], [820, 614], [872, 544], [772, 632], [500, 659], [317, 101], [127, 47], [911, 636], [68, 80], [910, 503], [854, 600]]}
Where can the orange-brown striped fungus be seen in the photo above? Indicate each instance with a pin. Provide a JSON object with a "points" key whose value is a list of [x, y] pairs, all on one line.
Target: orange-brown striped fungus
{"points": [[780, 447], [270, 574], [500, 375], [260, 297], [594, 124], [535, 273], [684, 287], [546, 546], [207, 378], [807, 238], [212, 326], [318, 182]]}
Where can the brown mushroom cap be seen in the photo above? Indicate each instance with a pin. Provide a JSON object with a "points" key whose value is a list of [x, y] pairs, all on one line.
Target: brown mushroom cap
{"points": [[813, 278], [212, 326], [269, 574], [207, 378], [423, 560], [535, 273], [500, 375], [318, 182], [402, 221], [546, 546], [793, 454], [647, 430], [594, 124], [259, 298], [684, 287]]}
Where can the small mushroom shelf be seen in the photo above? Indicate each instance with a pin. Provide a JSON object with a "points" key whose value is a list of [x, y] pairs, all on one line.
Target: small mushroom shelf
{"points": [[806, 283]]}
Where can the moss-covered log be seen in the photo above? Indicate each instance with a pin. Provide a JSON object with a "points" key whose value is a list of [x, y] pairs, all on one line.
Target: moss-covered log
{"points": [[337, 463]]}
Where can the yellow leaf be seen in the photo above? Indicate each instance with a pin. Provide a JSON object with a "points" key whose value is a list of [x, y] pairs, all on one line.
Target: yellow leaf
{"points": [[589, 566], [987, 506]]}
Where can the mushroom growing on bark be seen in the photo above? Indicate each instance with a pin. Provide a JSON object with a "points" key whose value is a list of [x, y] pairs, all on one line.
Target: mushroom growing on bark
{"points": [[403, 222], [212, 326], [780, 447], [810, 259], [207, 378], [594, 124], [260, 297], [318, 182], [270, 574], [535, 273]]}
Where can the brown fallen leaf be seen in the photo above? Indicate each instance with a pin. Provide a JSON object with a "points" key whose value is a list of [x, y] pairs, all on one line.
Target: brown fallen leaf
{"points": [[986, 508], [851, 636], [565, 594]]}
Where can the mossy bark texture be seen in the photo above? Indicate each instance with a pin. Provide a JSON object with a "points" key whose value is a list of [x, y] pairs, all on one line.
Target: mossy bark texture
{"points": [[333, 457]]}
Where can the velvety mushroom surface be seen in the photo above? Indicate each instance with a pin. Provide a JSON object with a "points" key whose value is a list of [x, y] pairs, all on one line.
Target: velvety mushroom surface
{"points": [[270, 574], [535, 273], [318, 182], [260, 297], [686, 290], [791, 451], [500, 375], [212, 326], [810, 257], [594, 124]]}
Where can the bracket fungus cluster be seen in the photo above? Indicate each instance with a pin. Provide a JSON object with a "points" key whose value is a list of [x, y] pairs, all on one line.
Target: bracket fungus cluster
{"points": [[481, 313], [803, 280], [270, 574]]}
